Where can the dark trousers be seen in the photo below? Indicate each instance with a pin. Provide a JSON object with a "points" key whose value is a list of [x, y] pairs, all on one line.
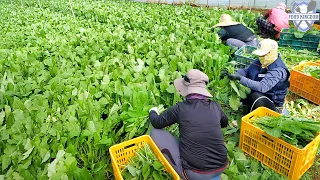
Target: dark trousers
{"points": [[169, 146], [256, 99], [266, 27]]}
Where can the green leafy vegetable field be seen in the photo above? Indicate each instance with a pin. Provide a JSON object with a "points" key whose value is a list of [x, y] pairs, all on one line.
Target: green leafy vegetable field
{"points": [[78, 76]]}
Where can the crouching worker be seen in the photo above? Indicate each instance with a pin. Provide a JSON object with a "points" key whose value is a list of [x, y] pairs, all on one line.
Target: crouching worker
{"points": [[277, 20], [200, 154], [235, 34], [267, 77]]}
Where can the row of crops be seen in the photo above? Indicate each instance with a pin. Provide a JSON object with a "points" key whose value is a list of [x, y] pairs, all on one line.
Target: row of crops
{"points": [[79, 76]]}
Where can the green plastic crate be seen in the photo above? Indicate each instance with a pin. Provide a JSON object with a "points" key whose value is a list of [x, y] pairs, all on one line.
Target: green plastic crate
{"points": [[297, 43], [241, 60], [287, 34], [308, 41], [285, 42]]}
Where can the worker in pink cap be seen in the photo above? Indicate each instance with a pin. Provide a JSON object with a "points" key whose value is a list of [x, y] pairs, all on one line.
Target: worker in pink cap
{"points": [[277, 20]]}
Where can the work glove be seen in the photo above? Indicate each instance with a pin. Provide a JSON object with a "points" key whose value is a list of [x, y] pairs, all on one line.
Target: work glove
{"points": [[223, 74], [234, 77], [155, 109]]}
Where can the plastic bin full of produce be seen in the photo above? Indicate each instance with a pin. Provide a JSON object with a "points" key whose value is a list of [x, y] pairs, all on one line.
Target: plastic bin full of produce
{"points": [[300, 40], [285, 144], [305, 81], [140, 158], [244, 57]]}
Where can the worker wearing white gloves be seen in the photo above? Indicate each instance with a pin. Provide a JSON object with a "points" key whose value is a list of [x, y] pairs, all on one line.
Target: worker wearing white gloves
{"points": [[200, 153]]}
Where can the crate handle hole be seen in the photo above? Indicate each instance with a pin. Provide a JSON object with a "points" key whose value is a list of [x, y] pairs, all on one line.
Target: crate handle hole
{"points": [[129, 146], [267, 138], [251, 116]]}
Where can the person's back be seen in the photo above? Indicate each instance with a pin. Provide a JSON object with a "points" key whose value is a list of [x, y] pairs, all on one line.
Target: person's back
{"points": [[279, 18], [201, 140], [200, 152], [239, 31], [234, 33]]}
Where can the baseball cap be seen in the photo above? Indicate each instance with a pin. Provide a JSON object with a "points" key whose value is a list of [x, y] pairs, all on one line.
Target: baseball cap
{"points": [[265, 47]]}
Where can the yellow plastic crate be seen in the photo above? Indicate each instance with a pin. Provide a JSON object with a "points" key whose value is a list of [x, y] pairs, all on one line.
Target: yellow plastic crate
{"points": [[121, 153], [317, 26], [275, 153], [304, 85]]}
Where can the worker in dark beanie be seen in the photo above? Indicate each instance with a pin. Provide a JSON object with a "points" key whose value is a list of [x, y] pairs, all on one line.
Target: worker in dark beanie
{"points": [[200, 154]]}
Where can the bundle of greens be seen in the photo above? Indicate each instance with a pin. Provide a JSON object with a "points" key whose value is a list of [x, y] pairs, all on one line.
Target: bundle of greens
{"points": [[249, 55], [145, 165], [313, 31], [173, 129], [292, 56], [296, 131], [230, 91], [299, 34], [313, 71]]}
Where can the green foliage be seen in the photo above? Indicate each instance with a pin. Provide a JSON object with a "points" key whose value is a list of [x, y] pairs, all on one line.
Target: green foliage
{"points": [[300, 107], [303, 108], [249, 55], [242, 167], [313, 71], [230, 91], [292, 57], [299, 34], [296, 131], [73, 86], [145, 165], [79, 84]]}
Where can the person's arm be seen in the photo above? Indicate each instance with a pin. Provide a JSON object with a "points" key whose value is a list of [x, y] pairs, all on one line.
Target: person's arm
{"points": [[167, 118], [243, 72], [266, 16], [224, 117], [223, 34], [268, 82]]}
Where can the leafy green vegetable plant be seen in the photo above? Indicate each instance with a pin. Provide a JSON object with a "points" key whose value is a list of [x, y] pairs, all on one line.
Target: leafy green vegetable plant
{"points": [[313, 71], [299, 34], [249, 55], [231, 92], [296, 131], [76, 78], [144, 165]]}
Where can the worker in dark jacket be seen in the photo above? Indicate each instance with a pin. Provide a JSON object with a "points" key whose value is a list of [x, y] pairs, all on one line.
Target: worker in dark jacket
{"points": [[235, 34], [267, 77], [200, 153]]}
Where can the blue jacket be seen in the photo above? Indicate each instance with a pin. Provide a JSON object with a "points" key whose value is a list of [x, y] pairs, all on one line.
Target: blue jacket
{"points": [[272, 81]]}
